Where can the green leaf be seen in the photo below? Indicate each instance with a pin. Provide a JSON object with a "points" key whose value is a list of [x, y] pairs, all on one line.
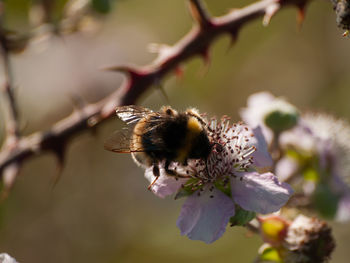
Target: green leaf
{"points": [[241, 217]]}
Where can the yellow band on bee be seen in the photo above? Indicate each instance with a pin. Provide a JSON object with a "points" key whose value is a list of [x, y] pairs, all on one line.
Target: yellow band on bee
{"points": [[193, 129]]}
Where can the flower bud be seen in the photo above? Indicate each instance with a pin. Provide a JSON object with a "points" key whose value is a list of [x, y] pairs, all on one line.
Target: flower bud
{"points": [[282, 116], [273, 230]]}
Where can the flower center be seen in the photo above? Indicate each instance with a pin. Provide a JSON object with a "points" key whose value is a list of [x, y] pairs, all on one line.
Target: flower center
{"points": [[231, 153]]}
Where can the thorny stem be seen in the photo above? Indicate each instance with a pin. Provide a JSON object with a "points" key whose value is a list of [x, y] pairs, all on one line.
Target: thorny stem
{"points": [[11, 112], [12, 134], [199, 13], [12, 125], [196, 42]]}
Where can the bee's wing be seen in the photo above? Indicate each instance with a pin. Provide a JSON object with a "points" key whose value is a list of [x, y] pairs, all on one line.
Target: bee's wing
{"points": [[132, 114], [120, 142]]}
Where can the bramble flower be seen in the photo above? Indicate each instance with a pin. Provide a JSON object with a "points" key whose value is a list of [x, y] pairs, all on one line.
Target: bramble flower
{"points": [[318, 149], [226, 182], [272, 114]]}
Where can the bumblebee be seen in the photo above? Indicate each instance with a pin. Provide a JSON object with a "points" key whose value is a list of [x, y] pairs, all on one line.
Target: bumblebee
{"points": [[166, 135]]}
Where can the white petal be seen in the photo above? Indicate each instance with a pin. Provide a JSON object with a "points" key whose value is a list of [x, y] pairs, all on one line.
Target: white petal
{"points": [[286, 167], [205, 218], [261, 193], [165, 184], [261, 157], [253, 114], [300, 138], [6, 258]]}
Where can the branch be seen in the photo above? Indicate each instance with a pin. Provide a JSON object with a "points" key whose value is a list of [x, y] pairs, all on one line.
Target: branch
{"points": [[199, 13], [196, 42], [12, 132], [11, 113], [12, 124]]}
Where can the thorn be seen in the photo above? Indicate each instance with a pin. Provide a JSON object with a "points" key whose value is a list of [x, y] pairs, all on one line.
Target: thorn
{"points": [[10, 174], [164, 51], [158, 48], [205, 54], [233, 39], [301, 14], [59, 152], [133, 72], [164, 95], [270, 11], [206, 59], [134, 75], [179, 72], [199, 13], [160, 88]]}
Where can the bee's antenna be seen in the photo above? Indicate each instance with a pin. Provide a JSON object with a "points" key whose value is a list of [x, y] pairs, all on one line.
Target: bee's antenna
{"points": [[160, 88]]}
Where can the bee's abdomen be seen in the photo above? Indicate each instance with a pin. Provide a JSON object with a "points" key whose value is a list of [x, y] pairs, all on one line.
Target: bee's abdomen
{"points": [[140, 154], [200, 147]]}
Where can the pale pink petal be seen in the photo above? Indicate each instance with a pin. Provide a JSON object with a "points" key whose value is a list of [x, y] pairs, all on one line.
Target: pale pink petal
{"points": [[286, 167], [205, 218], [253, 114], [261, 157], [165, 185], [299, 138], [261, 193]]}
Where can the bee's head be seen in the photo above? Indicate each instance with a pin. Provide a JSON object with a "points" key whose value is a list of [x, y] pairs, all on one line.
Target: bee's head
{"points": [[169, 111]]}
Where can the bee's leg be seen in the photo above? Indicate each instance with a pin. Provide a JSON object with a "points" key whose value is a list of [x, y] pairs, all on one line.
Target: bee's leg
{"points": [[156, 170], [156, 174], [167, 170], [174, 173], [185, 162]]}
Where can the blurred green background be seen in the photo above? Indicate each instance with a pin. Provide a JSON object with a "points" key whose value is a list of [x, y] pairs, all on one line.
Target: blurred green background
{"points": [[101, 210]]}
